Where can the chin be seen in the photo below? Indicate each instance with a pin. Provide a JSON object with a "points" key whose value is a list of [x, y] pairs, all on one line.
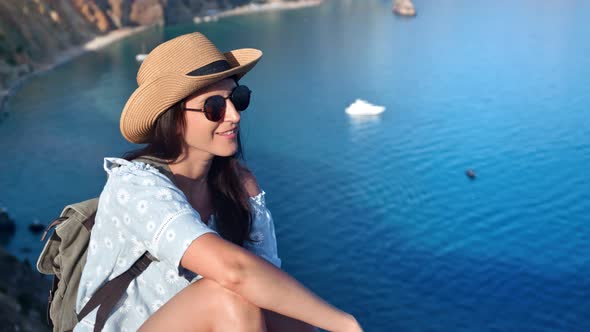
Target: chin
{"points": [[226, 152]]}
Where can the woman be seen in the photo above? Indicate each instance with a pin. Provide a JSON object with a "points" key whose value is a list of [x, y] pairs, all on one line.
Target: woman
{"points": [[201, 215]]}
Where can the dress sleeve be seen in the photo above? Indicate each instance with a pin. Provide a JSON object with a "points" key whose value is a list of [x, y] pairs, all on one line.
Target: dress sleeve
{"points": [[153, 211], [263, 231]]}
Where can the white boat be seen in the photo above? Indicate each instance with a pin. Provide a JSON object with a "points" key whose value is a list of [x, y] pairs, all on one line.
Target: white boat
{"points": [[206, 18], [363, 107], [140, 57]]}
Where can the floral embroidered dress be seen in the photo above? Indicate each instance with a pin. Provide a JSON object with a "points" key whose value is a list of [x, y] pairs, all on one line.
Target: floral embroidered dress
{"points": [[139, 210]]}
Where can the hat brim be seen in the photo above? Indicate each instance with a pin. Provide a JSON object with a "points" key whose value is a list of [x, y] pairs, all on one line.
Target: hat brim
{"points": [[152, 98]]}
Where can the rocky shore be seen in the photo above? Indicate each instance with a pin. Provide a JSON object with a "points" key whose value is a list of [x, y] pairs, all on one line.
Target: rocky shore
{"points": [[37, 35], [14, 77], [23, 290], [23, 295]]}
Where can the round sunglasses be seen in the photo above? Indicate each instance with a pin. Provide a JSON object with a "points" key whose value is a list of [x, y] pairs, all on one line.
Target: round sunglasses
{"points": [[214, 107]]}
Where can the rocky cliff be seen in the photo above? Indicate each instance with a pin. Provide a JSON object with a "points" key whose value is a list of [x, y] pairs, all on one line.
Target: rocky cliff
{"points": [[33, 33], [23, 296]]}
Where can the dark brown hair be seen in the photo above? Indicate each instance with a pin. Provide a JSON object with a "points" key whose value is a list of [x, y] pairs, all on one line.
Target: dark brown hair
{"points": [[229, 197]]}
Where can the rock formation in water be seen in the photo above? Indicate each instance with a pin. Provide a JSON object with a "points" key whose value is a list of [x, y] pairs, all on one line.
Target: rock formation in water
{"points": [[404, 8], [7, 225]]}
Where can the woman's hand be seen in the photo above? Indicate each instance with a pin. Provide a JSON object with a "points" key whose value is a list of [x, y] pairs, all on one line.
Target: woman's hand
{"points": [[352, 325]]}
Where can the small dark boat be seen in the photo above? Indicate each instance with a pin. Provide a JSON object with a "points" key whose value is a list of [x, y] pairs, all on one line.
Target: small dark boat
{"points": [[36, 227], [470, 173]]}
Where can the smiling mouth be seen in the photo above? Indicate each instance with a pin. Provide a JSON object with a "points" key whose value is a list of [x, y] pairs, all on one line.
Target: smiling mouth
{"points": [[229, 132]]}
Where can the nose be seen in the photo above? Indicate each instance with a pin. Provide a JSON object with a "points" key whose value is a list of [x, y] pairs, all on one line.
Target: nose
{"points": [[231, 114]]}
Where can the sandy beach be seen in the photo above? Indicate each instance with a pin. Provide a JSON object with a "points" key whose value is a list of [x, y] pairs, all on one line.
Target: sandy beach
{"points": [[96, 44], [254, 8]]}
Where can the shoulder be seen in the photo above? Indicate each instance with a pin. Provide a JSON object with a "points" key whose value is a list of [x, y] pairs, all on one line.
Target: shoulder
{"points": [[134, 173], [137, 188], [248, 181]]}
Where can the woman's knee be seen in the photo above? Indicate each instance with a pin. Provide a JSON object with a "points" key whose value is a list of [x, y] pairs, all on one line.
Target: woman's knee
{"points": [[234, 312]]}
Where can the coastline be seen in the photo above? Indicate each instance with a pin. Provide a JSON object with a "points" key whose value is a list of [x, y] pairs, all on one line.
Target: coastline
{"points": [[66, 56], [101, 41], [257, 8]]}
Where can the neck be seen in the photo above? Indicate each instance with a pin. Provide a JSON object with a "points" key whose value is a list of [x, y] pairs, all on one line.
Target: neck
{"points": [[190, 173]]}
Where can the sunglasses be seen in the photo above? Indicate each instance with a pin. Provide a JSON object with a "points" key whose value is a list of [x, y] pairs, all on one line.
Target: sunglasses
{"points": [[214, 107]]}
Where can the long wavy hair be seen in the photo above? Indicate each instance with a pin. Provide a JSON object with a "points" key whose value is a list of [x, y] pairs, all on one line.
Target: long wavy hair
{"points": [[230, 201]]}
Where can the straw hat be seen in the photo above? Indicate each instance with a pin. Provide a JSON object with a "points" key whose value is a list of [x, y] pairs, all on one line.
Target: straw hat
{"points": [[174, 70]]}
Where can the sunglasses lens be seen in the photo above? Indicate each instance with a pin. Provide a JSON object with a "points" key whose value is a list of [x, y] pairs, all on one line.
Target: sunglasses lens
{"points": [[240, 97], [215, 108]]}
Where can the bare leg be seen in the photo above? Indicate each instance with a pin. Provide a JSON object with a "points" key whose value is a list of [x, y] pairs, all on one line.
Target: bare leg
{"points": [[278, 323], [205, 306]]}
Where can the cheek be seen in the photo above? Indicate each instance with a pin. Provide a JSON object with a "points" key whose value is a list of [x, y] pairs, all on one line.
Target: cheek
{"points": [[200, 133]]}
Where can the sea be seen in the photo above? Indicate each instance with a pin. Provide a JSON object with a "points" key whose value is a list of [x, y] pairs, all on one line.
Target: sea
{"points": [[374, 214]]}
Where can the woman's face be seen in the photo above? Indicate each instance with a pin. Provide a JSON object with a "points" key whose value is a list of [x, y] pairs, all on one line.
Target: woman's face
{"points": [[217, 138]]}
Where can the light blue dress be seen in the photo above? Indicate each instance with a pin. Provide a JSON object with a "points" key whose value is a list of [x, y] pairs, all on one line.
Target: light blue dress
{"points": [[139, 210]]}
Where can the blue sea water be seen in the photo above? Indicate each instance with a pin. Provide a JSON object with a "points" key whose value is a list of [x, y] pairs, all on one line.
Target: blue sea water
{"points": [[375, 215]]}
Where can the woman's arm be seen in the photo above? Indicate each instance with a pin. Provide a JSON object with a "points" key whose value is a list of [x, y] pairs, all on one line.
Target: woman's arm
{"points": [[262, 224], [261, 283]]}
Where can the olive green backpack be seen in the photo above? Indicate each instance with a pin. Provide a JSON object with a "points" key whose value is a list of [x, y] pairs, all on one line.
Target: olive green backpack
{"points": [[64, 257]]}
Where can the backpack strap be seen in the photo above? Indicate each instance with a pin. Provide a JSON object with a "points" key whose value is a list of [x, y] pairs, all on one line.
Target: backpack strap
{"points": [[54, 284], [160, 164], [88, 223], [109, 294]]}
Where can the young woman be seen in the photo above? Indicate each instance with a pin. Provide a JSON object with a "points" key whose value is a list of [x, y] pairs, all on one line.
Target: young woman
{"points": [[201, 216]]}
